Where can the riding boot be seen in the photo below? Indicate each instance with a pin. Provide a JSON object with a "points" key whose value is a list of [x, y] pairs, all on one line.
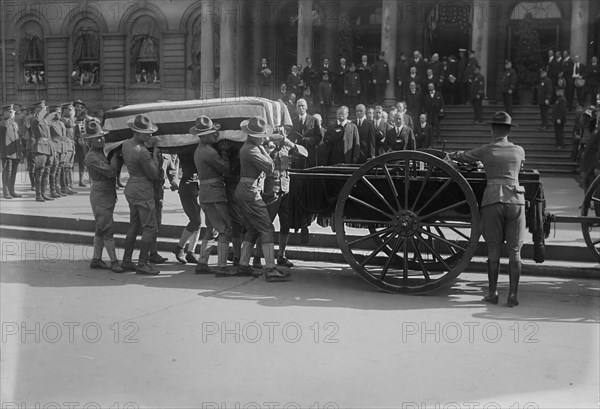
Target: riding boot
{"points": [[52, 185], [63, 182], [272, 272], [69, 182], [143, 267], [5, 189], [57, 182], [112, 254], [32, 179], [45, 179], [245, 254], [127, 264], [97, 262], [493, 271], [38, 186], [13, 178], [514, 273]]}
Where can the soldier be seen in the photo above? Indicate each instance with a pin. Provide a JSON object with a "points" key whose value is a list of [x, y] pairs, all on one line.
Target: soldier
{"points": [[42, 150], [212, 166], [11, 151], [503, 205], [143, 170], [381, 77], [29, 140], [68, 118], [80, 148], [254, 160], [544, 95], [478, 93], [58, 134], [103, 197]]}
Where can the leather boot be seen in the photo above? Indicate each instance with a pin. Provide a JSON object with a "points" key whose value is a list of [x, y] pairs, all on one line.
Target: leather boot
{"points": [[12, 178], [143, 267], [221, 269], [514, 273], [179, 254], [45, 179], [244, 266], [109, 244], [5, 177], [38, 186], [32, 179], [493, 271], [203, 257], [69, 182], [58, 185], [127, 264], [272, 273], [97, 262], [52, 186]]}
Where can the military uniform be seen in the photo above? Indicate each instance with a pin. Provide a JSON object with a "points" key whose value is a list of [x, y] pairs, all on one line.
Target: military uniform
{"points": [[10, 153], [69, 158], [58, 134], [42, 152]]}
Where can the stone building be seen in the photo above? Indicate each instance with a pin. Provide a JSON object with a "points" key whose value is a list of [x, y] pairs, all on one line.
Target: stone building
{"points": [[110, 52]]}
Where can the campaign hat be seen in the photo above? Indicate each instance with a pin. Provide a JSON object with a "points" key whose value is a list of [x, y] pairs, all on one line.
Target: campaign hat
{"points": [[204, 126], [93, 130], [79, 102], [142, 124], [501, 118], [256, 127]]}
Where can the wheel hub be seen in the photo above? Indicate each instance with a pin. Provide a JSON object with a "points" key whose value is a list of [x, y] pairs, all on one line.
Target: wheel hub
{"points": [[405, 223]]}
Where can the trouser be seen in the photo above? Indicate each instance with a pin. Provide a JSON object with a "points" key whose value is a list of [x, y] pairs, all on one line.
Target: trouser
{"points": [[544, 114], [159, 195], [142, 215], [507, 99], [257, 222], [54, 165], [42, 163], [502, 222], [9, 175], [379, 93], [559, 134], [478, 109], [188, 195]]}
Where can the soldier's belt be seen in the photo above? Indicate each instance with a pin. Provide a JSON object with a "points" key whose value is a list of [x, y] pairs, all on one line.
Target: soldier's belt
{"points": [[209, 181], [509, 182]]}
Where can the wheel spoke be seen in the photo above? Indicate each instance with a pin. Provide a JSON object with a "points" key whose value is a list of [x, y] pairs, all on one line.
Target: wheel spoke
{"points": [[418, 255], [406, 182], [435, 253], [405, 271], [369, 236], [427, 176], [443, 236], [435, 195], [443, 240], [445, 209], [376, 251], [392, 186], [378, 194], [389, 260], [370, 206]]}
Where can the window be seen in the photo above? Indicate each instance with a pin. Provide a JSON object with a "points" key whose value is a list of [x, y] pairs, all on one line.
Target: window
{"points": [[31, 54], [145, 55], [86, 54]]}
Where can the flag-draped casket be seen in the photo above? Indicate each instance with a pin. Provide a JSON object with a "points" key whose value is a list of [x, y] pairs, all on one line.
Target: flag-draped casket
{"points": [[175, 118]]}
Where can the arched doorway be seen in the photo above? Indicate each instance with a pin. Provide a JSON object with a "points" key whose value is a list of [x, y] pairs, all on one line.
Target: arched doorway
{"points": [[544, 17], [448, 28]]}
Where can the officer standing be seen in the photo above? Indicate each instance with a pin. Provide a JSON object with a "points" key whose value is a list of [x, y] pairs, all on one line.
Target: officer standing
{"points": [[254, 160], [10, 151], [58, 134], [503, 204], [80, 149], [42, 150], [143, 170], [103, 197], [68, 118]]}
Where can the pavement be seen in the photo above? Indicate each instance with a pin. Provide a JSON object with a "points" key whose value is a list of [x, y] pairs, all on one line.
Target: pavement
{"points": [[74, 337]]}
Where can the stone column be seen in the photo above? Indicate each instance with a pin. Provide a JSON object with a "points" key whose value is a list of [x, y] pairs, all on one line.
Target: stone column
{"points": [[389, 18], [580, 10], [305, 30], [229, 18], [480, 37], [207, 50], [258, 43]]}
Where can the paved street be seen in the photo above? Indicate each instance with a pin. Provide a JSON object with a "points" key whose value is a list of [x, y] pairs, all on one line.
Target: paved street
{"points": [[72, 337]]}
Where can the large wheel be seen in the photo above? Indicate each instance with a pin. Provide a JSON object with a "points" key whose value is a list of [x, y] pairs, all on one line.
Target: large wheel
{"points": [[591, 207], [407, 222]]}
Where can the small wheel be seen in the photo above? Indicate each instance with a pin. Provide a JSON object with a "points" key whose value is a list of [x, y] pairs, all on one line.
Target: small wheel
{"points": [[591, 207], [417, 221]]}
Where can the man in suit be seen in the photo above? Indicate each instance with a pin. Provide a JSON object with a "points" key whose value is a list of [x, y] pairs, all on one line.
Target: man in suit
{"points": [[414, 100], [301, 125], [418, 63], [592, 81], [310, 76], [366, 135], [351, 86], [406, 117], [577, 73], [402, 71], [399, 136], [559, 116], [381, 77], [342, 141], [433, 106], [544, 95], [340, 74], [294, 81], [380, 127], [365, 72], [423, 133], [429, 78], [462, 73], [469, 74], [508, 86], [478, 93]]}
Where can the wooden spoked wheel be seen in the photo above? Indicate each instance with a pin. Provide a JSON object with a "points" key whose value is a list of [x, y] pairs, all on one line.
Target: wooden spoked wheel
{"points": [[591, 207], [407, 222]]}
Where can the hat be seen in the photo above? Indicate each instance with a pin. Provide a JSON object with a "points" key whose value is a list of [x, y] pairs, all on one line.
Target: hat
{"points": [[68, 105], [93, 130], [142, 124], [501, 118], [8, 107], [256, 127], [40, 104], [204, 126], [53, 108], [79, 102]]}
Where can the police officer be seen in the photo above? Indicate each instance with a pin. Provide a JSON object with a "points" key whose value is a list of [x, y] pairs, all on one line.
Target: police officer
{"points": [[10, 151], [143, 170], [103, 197], [254, 160], [503, 204], [212, 166], [42, 150]]}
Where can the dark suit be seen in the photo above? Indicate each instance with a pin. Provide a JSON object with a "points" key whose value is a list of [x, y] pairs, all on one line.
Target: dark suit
{"points": [[509, 83], [364, 73], [398, 141], [423, 136], [414, 103], [298, 133], [380, 132], [366, 136], [544, 95], [560, 113], [381, 74], [433, 106], [401, 85]]}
